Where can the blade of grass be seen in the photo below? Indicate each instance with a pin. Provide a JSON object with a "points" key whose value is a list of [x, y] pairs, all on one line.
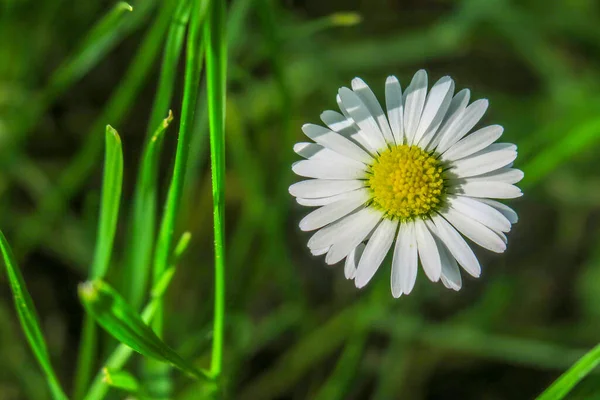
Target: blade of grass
{"points": [[112, 312], [109, 215], [567, 381], [122, 353], [216, 76], [144, 218], [53, 204], [159, 380], [95, 45], [29, 320], [111, 199]]}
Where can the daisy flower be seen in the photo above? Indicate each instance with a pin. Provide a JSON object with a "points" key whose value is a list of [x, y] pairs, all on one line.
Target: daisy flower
{"points": [[415, 179]]}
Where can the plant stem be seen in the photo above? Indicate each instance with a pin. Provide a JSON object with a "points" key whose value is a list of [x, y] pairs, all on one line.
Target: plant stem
{"points": [[216, 71]]}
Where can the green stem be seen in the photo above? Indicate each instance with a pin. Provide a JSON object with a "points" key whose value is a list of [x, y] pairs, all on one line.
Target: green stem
{"points": [[216, 72], [573, 376], [158, 373]]}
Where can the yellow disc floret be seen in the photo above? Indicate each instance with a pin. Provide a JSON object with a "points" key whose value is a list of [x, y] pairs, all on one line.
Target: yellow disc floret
{"points": [[406, 182]]}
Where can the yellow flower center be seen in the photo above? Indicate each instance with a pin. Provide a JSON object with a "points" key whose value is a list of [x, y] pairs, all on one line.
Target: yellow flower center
{"points": [[406, 182]]}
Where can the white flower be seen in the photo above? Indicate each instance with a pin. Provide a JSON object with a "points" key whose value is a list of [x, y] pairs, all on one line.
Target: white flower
{"points": [[415, 175]]}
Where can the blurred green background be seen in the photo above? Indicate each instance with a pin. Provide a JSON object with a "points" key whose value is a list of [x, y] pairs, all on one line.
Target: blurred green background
{"points": [[295, 328]]}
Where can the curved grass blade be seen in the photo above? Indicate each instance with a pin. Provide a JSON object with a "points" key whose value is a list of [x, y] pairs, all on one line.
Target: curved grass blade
{"points": [[122, 353], [98, 41], [29, 320], [567, 381], [111, 312]]}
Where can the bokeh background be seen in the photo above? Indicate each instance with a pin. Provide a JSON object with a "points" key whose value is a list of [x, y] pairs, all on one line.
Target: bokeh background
{"points": [[296, 329]]}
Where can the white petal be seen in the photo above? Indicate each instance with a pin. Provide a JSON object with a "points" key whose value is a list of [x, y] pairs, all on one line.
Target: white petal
{"points": [[375, 252], [315, 188], [506, 175], [368, 97], [436, 105], [457, 246], [428, 252], [320, 201], [336, 142], [475, 231], [481, 212], [363, 118], [352, 261], [356, 233], [324, 169], [346, 127], [395, 107], [455, 110], [496, 190], [404, 263], [471, 144], [415, 94], [462, 125], [319, 252], [503, 208], [450, 273], [313, 151], [493, 157], [349, 202]]}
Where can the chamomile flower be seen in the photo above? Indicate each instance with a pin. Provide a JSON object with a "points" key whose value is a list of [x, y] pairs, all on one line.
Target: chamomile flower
{"points": [[410, 180]]}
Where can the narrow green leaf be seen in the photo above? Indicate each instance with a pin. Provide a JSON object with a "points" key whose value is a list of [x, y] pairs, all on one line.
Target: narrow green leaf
{"points": [[160, 381], [109, 208], [567, 381], [144, 217], [101, 38], [143, 224], [216, 76], [122, 353], [28, 318], [111, 312], [107, 225]]}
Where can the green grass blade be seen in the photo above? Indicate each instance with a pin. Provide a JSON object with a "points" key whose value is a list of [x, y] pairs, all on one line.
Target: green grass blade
{"points": [[170, 61], [98, 41], [122, 353], [109, 215], [216, 76], [159, 381], [28, 318], [113, 313], [567, 381], [144, 218], [111, 199], [192, 79]]}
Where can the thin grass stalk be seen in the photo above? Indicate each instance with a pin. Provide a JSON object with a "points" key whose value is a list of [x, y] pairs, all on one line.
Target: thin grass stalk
{"points": [[143, 224], [193, 67], [216, 73]]}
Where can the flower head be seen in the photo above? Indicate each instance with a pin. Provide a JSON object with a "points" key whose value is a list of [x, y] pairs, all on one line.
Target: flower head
{"points": [[411, 178]]}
